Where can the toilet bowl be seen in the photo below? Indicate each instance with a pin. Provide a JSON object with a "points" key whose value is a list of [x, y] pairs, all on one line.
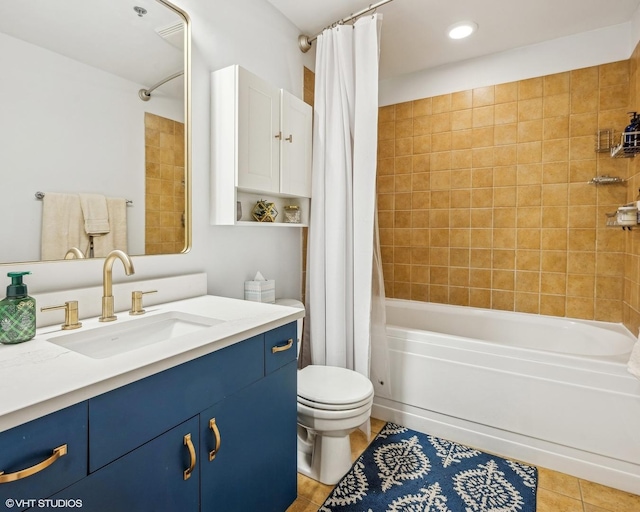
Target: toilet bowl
{"points": [[332, 403]]}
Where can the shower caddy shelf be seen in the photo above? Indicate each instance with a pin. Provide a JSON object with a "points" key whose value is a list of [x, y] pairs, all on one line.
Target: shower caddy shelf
{"points": [[607, 141], [612, 221]]}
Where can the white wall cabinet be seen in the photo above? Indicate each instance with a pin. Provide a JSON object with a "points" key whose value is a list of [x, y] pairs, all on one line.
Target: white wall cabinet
{"points": [[261, 148], [257, 128], [295, 150]]}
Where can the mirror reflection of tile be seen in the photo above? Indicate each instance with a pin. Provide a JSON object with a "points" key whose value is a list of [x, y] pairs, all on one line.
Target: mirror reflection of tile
{"points": [[164, 185]]}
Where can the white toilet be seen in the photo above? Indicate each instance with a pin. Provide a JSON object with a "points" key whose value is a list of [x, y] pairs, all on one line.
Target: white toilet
{"points": [[332, 403]]}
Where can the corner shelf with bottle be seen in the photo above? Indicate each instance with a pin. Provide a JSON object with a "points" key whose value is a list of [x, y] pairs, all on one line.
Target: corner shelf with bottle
{"points": [[623, 145], [626, 216]]}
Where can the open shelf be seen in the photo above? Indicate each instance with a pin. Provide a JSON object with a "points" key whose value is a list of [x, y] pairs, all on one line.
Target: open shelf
{"points": [[248, 200]]}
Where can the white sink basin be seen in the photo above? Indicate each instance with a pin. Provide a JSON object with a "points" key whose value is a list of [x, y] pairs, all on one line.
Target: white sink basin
{"points": [[118, 338]]}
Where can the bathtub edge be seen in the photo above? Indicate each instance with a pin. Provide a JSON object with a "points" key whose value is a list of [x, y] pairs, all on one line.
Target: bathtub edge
{"points": [[579, 463]]}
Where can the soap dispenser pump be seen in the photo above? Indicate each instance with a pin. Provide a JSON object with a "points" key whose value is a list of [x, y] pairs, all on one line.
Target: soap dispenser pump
{"points": [[17, 312]]}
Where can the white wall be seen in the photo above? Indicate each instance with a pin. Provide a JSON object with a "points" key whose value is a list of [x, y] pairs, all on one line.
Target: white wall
{"points": [[253, 34], [592, 48], [68, 127], [256, 36]]}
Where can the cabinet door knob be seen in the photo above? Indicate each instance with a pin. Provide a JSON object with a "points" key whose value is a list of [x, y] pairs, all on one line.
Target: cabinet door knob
{"points": [[216, 434], [282, 348], [58, 452], [192, 454], [290, 137], [279, 135]]}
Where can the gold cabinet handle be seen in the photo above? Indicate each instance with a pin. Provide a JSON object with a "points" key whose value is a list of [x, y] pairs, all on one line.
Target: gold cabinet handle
{"points": [[279, 135], [216, 434], [192, 453], [282, 348], [290, 138], [58, 452]]}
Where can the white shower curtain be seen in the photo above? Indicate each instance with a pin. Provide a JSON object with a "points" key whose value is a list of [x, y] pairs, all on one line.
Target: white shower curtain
{"points": [[343, 205]]}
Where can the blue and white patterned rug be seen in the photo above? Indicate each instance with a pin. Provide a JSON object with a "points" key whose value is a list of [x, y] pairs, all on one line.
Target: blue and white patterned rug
{"points": [[406, 471]]}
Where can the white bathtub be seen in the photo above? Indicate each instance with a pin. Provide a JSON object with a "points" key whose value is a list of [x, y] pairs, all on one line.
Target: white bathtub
{"points": [[550, 391]]}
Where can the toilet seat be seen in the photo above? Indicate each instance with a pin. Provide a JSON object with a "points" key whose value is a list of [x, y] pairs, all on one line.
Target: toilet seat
{"points": [[332, 388], [329, 414], [333, 407]]}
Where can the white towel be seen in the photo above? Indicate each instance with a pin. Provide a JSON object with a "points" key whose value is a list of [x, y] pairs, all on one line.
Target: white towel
{"points": [[117, 236], [96, 214], [633, 366], [62, 226]]}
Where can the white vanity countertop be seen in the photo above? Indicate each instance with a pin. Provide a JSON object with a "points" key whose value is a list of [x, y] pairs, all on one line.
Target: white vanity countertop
{"points": [[39, 377]]}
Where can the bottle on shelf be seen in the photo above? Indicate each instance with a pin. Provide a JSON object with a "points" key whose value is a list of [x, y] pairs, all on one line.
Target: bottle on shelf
{"points": [[631, 139]]}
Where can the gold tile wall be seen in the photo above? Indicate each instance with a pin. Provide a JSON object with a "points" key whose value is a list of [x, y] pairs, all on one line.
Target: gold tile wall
{"points": [[631, 306], [164, 185], [483, 197]]}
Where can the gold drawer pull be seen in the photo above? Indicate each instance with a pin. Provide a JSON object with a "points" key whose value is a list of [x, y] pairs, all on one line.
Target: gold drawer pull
{"points": [[216, 434], [24, 473], [282, 348], [192, 453]]}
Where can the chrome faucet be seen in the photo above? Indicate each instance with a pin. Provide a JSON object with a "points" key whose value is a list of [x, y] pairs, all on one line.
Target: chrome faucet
{"points": [[107, 282]]}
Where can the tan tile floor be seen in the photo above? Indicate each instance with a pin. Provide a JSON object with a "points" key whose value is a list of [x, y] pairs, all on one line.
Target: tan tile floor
{"points": [[557, 492]]}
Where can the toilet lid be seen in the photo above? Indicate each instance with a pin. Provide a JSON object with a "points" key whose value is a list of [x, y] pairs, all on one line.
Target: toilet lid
{"points": [[333, 386]]}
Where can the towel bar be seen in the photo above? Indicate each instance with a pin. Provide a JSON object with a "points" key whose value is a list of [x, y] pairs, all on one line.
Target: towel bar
{"points": [[40, 196]]}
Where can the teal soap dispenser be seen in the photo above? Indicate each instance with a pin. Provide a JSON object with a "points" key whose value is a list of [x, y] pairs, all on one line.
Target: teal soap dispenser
{"points": [[17, 312]]}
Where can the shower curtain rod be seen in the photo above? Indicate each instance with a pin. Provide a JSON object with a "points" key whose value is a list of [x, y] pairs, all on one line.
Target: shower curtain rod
{"points": [[304, 42], [145, 94]]}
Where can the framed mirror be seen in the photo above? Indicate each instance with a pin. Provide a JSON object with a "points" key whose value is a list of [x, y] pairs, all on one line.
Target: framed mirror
{"points": [[95, 115]]}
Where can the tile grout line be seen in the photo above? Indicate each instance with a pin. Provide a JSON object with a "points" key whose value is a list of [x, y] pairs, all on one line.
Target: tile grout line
{"points": [[584, 505]]}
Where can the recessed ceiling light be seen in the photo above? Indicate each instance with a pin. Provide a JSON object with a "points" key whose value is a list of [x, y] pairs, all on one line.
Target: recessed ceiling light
{"points": [[462, 29]]}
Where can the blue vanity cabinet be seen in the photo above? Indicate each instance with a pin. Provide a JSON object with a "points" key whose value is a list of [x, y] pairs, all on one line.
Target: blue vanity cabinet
{"points": [[248, 440], [125, 418], [135, 443], [33, 446], [149, 479]]}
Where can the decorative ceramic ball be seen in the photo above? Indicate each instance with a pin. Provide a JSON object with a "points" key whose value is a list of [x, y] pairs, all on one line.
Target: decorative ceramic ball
{"points": [[264, 211]]}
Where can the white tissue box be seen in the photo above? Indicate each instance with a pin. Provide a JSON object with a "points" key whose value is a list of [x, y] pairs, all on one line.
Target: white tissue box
{"points": [[260, 291]]}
